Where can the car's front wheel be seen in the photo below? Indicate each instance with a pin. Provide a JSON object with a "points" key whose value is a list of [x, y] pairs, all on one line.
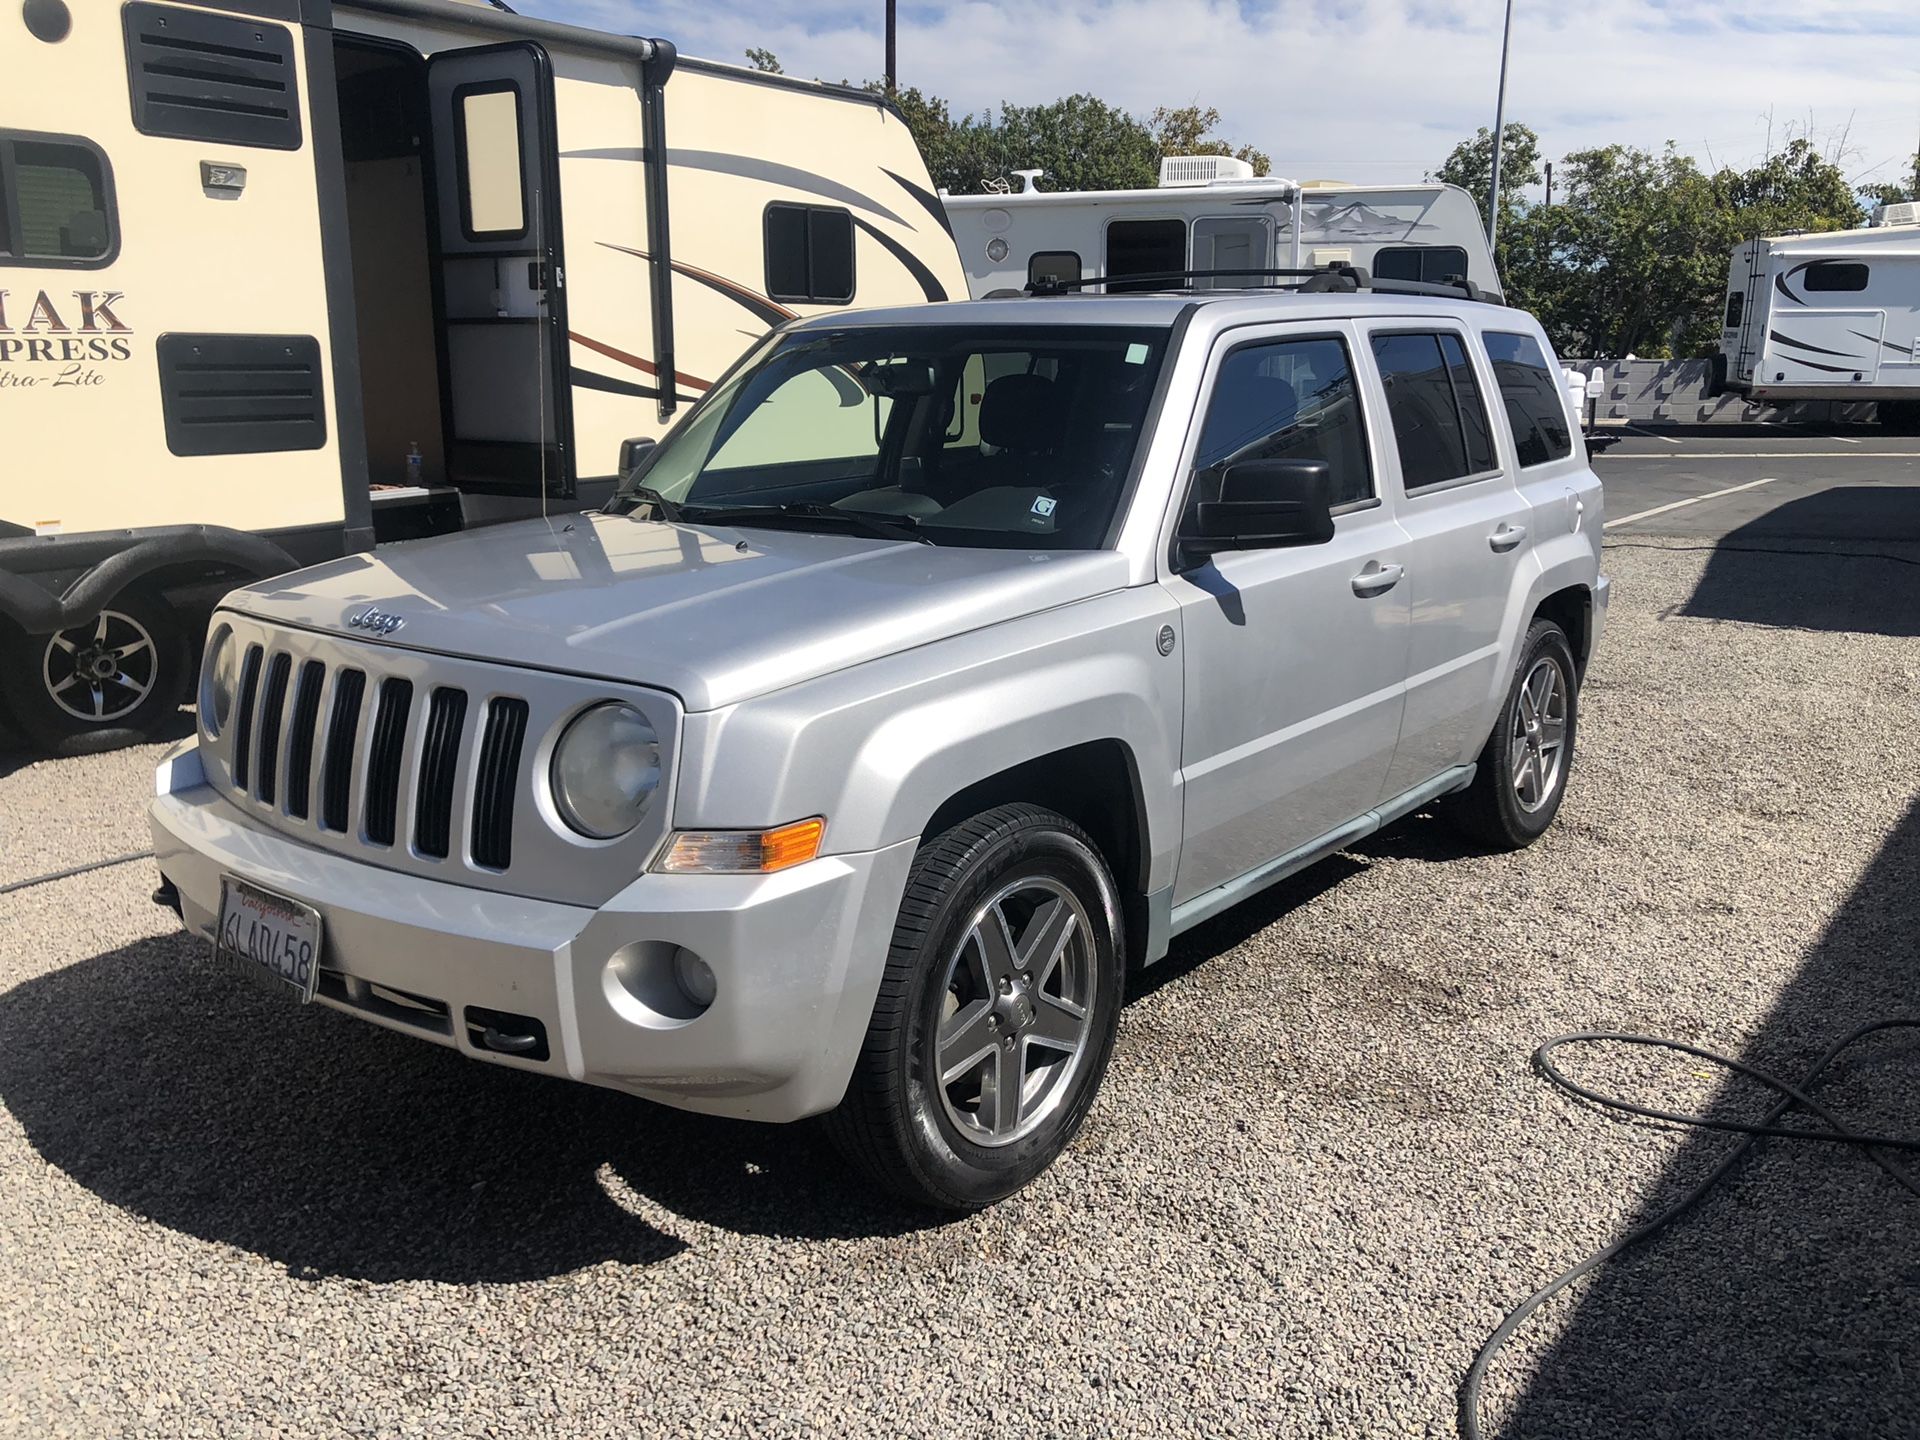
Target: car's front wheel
{"points": [[996, 1014]]}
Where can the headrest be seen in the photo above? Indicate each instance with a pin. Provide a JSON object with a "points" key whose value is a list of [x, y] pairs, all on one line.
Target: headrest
{"points": [[1020, 413]]}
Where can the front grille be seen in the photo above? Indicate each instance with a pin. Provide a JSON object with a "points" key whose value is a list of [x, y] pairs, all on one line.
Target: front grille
{"points": [[272, 705], [439, 757], [306, 718], [243, 720], [499, 768], [384, 759]]}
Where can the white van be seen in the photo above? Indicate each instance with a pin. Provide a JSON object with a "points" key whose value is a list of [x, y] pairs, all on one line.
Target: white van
{"points": [[281, 277]]}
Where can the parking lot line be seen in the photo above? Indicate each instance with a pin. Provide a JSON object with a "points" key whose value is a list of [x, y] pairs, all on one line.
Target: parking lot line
{"points": [[1691, 500], [1771, 455]]}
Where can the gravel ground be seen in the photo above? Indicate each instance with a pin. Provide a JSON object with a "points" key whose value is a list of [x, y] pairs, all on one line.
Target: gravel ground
{"points": [[1320, 1172]]}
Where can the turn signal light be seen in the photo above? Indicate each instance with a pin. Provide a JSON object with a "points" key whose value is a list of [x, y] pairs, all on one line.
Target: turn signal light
{"points": [[743, 852]]}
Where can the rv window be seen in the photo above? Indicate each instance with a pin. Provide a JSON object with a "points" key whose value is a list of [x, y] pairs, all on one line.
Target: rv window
{"points": [[1053, 267], [493, 201], [56, 202], [1736, 302], [1439, 422], [809, 254], [1429, 264], [1145, 247], [1290, 400], [1836, 275], [1530, 389]]}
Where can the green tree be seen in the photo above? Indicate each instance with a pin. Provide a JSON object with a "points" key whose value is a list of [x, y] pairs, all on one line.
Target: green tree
{"points": [[764, 60], [1894, 192], [1470, 166], [1189, 131]]}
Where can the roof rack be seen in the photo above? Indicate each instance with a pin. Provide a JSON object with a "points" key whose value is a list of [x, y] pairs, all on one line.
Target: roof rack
{"points": [[1338, 278]]}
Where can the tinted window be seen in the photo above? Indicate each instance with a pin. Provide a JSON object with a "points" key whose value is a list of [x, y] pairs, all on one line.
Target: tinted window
{"points": [[1836, 275], [1289, 400], [1439, 422], [1431, 264], [1530, 389], [1145, 247], [809, 254], [1736, 302], [56, 202], [1053, 266]]}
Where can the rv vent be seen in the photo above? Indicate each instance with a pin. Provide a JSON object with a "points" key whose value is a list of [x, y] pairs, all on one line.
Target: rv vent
{"points": [[241, 394], [1906, 212], [212, 77], [1178, 170]]}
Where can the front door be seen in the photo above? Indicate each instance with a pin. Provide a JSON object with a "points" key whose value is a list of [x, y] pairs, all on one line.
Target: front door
{"points": [[1295, 658], [509, 412]]}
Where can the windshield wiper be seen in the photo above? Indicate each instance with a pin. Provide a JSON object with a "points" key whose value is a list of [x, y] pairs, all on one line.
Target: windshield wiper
{"points": [[881, 527]]}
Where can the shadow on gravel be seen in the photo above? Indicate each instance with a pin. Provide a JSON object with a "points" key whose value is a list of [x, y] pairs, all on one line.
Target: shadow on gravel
{"points": [[1787, 1304], [340, 1149], [1811, 587]]}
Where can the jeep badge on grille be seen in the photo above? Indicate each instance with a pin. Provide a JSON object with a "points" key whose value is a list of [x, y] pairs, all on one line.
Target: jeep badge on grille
{"points": [[381, 622]]}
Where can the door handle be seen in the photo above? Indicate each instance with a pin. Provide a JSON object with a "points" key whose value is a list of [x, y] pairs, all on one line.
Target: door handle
{"points": [[1506, 537], [1377, 579]]}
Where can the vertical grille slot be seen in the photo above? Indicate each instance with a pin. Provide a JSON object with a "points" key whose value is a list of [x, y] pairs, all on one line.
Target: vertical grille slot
{"points": [[386, 751], [243, 717], [439, 756], [273, 708], [496, 779], [336, 776], [306, 718]]}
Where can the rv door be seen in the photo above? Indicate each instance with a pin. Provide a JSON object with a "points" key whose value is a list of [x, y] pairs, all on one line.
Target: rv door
{"points": [[509, 411]]}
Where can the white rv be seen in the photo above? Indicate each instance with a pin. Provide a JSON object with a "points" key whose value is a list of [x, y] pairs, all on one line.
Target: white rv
{"points": [[1832, 316], [279, 277], [1210, 213]]}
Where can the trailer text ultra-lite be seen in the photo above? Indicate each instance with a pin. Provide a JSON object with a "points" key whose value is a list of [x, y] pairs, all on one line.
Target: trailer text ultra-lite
{"points": [[281, 277]]}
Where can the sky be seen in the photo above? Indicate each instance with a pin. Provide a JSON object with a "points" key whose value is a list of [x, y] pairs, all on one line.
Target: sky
{"points": [[1372, 90]]}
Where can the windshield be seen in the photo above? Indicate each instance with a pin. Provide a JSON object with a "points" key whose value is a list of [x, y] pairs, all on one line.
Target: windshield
{"points": [[1006, 436]]}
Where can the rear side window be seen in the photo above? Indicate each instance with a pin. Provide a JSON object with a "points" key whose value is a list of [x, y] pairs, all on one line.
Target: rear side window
{"points": [[1430, 264], [1439, 421], [56, 202], [809, 254], [1530, 390], [1290, 400], [1836, 275]]}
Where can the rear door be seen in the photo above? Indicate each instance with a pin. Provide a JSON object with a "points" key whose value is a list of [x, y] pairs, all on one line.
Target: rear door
{"points": [[509, 410]]}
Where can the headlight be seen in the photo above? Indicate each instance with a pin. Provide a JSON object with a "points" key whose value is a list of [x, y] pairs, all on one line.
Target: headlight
{"points": [[605, 770], [220, 680]]}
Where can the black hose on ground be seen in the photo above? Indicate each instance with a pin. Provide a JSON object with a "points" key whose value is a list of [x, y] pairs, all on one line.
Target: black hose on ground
{"points": [[74, 870], [1768, 1126]]}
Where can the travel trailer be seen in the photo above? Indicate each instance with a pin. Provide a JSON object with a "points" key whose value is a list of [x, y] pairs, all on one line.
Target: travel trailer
{"points": [[1833, 316], [1211, 213], [281, 277]]}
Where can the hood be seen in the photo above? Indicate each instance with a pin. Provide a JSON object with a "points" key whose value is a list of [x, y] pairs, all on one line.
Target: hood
{"points": [[712, 613]]}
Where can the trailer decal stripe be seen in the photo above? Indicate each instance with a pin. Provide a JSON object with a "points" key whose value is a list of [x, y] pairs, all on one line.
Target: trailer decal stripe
{"points": [[646, 367], [747, 168], [926, 197], [1780, 284], [588, 380], [929, 283], [1875, 339], [767, 311], [1775, 335]]}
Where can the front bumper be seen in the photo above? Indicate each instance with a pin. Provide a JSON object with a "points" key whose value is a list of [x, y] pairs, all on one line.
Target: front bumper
{"points": [[797, 957]]}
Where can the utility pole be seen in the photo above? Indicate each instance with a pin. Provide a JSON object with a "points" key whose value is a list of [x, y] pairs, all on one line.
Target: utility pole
{"points": [[893, 68], [1499, 131]]}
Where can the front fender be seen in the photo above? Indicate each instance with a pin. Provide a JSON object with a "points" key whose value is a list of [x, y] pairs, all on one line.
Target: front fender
{"points": [[879, 747]]}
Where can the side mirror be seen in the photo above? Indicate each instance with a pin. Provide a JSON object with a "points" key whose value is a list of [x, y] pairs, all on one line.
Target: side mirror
{"points": [[633, 452], [1261, 505]]}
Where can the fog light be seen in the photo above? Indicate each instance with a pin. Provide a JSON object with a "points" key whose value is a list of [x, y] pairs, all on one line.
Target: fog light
{"points": [[695, 978]]}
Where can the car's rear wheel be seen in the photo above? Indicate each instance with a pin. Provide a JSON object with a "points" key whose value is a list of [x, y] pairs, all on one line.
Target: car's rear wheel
{"points": [[1522, 776], [996, 1014], [110, 682]]}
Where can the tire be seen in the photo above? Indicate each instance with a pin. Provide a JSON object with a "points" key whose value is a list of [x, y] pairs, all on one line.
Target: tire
{"points": [[951, 1145], [1508, 807], [53, 701]]}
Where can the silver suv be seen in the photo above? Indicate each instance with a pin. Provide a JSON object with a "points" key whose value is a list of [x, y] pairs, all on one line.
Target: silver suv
{"points": [[943, 664]]}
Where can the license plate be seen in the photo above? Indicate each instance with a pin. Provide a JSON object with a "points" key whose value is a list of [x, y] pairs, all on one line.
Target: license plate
{"points": [[269, 937]]}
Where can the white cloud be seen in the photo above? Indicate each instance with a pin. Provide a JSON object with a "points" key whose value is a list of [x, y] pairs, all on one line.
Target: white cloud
{"points": [[1370, 90]]}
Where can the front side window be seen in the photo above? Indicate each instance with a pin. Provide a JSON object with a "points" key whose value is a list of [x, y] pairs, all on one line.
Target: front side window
{"points": [[1836, 275], [1429, 264], [56, 202], [1289, 400], [1439, 421], [1006, 437], [809, 254], [1530, 390]]}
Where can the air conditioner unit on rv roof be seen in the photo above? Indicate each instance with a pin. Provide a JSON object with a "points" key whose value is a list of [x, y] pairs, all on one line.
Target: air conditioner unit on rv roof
{"points": [[1906, 212], [1178, 170]]}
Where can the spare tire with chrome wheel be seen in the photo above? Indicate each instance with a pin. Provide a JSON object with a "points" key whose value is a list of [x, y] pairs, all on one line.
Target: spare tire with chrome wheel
{"points": [[113, 681], [1523, 770], [996, 1014]]}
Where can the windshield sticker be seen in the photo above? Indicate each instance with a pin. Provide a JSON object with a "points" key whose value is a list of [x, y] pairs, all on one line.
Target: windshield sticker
{"points": [[1136, 354], [1043, 507]]}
